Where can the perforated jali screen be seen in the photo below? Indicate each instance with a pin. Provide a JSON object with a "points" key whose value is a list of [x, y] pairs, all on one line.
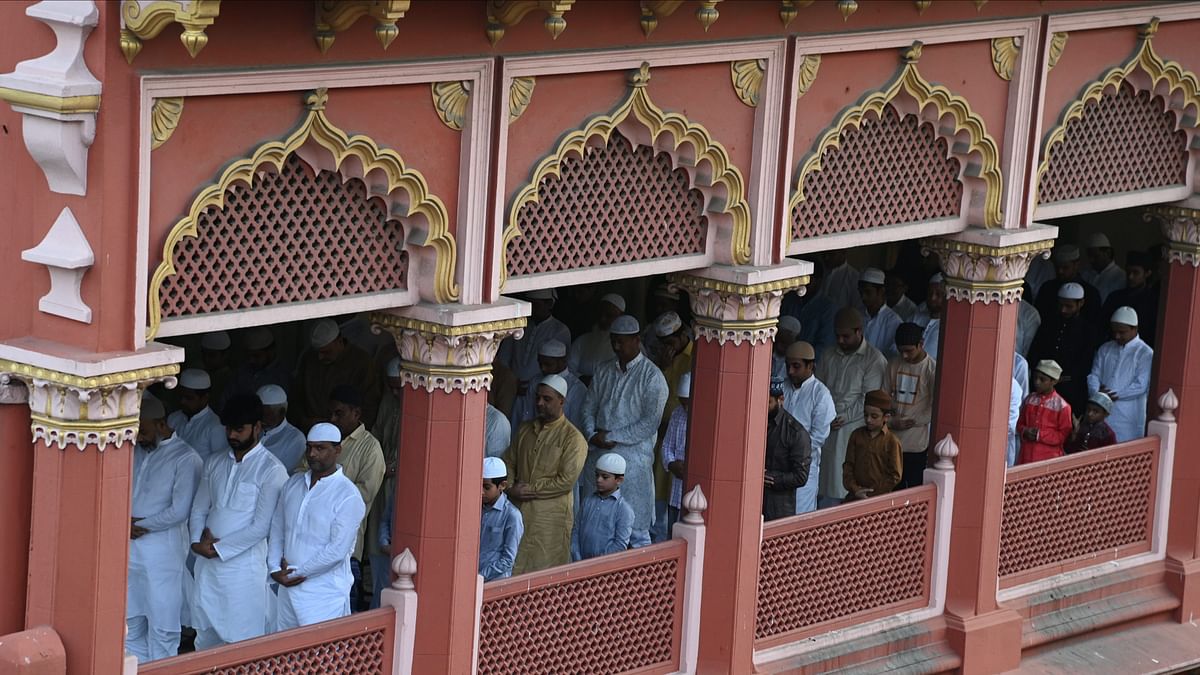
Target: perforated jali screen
{"points": [[1123, 142], [846, 567], [616, 622], [889, 170], [613, 205], [291, 236], [1076, 513]]}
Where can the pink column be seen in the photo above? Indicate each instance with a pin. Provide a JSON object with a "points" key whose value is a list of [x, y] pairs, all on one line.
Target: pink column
{"points": [[446, 371], [983, 285], [735, 324], [15, 503]]}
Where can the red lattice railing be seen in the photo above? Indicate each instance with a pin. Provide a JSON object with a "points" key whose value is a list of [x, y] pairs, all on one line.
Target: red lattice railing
{"points": [[615, 204], [292, 236], [846, 565], [891, 170], [613, 614], [1077, 511], [359, 644], [1124, 142]]}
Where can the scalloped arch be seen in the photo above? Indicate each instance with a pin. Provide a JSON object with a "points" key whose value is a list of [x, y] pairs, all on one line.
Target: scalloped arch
{"points": [[639, 106], [316, 128], [1161, 72], [911, 83]]}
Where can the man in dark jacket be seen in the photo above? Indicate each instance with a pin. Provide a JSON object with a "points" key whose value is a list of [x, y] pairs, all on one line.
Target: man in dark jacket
{"points": [[1069, 339], [789, 451]]}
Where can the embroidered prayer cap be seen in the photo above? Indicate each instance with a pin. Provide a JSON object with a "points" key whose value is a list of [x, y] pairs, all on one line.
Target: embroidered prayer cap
{"points": [[873, 276], [152, 408], [789, 323], [625, 325], [1126, 316], [1101, 399], [195, 379], [393, 367], [1049, 368], [879, 399], [324, 332], [241, 409], [667, 324], [801, 350], [1071, 291], [1065, 253], [272, 394], [552, 348], [614, 300], [908, 334], [684, 389], [1097, 240], [612, 463], [542, 294], [555, 382], [776, 386], [494, 467], [258, 338], [215, 342], [324, 432]]}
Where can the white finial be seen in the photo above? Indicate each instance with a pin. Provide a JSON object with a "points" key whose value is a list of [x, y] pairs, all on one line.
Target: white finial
{"points": [[404, 566], [1168, 402], [946, 450], [695, 502]]}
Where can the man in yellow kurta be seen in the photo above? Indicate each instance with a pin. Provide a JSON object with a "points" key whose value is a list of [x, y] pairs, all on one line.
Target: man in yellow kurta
{"points": [[544, 464]]}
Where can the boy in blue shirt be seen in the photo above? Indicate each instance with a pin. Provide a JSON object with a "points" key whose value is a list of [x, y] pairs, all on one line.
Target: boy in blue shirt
{"points": [[604, 521], [501, 528]]}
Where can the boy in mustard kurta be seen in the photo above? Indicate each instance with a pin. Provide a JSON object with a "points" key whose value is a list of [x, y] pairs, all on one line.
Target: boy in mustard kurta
{"points": [[873, 463]]}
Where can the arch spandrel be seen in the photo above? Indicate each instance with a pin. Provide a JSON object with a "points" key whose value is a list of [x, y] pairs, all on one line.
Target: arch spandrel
{"points": [[692, 149], [324, 147]]}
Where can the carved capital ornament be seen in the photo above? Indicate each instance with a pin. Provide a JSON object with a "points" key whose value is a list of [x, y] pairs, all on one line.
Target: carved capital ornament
{"points": [[982, 273], [728, 312], [1181, 228], [435, 356]]}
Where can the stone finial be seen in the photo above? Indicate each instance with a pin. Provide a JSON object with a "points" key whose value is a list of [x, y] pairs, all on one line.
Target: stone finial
{"points": [[404, 566], [1168, 402], [946, 450], [695, 502]]}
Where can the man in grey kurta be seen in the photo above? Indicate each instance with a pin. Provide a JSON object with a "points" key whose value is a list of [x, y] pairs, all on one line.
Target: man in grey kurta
{"points": [[621, 415]]}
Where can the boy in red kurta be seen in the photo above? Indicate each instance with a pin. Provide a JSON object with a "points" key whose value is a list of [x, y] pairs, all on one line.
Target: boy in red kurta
{"points": [[1045, 420]]}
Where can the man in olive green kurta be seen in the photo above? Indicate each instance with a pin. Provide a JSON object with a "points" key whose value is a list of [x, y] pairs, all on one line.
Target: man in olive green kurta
{"points": [[543, 465]]}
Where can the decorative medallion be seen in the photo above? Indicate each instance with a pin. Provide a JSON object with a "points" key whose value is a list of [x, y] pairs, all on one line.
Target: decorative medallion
{"points": [[519, 96], [747, 79], [1005, 51], [450, 101], [1058, 42], [808, 73], [164, 117], [335, 16]]}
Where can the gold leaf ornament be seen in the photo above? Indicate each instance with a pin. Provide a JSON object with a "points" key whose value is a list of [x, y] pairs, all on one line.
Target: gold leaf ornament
{"points": [[808, 73], [450, 101], [1005, 51], [164, 117], [1058, 42], [747, 79], [519, 96]]}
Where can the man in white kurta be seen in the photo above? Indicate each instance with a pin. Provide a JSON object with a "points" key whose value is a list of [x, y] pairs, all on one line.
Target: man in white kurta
{"points": [[229, 523], [497, 432], [809, 401], [1028, 323], [1014, 413], [165, 474], [521, 356], [1121, 369], [850, 369], [879, 321], [283, 439], [1102, 271], [313, 533], [195, 422], [595, 347], [622, 414]]}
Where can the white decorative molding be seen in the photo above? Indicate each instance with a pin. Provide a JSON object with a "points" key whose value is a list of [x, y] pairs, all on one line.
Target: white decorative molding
{"points": [[985, 272], [738, 303], [57, 96], [1168, 403], [67, 256], [946, 450], [753, 336]]}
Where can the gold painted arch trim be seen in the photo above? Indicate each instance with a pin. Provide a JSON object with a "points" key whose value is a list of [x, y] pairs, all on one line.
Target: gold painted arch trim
{"points": [[317, 128], [1173, 75], [640, 107], [946, 103]]}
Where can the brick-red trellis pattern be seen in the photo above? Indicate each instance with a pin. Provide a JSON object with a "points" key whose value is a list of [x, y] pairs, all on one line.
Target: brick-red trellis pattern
{"points": [[891, 169], [356, 655], [292, 236], [1123, 142], [613, 205], [1077, 512], [849, 566], [614, 622]]}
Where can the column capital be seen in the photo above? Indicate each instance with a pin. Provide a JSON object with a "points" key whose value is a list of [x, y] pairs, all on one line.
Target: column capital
{"points": [[740, 304], [989, 268], [451, 349], [1181, 228]]}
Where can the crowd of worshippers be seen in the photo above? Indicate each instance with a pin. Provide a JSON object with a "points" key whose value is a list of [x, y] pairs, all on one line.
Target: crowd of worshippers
{"points": [[585, 434]]}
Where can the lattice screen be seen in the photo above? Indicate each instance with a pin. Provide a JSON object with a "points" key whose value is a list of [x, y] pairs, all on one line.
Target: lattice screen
{"points": [[613, 205], [1123, 142], [290, 237], [616, 622], [888, 171], [358, 655], [842, 568], [1056, 517]]}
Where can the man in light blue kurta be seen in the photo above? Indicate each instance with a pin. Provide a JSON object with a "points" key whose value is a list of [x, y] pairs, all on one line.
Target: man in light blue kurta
{"points": [[497, 433], [1121, 369], [809, 401], [622, 414], [553, 360], [500, 526]]}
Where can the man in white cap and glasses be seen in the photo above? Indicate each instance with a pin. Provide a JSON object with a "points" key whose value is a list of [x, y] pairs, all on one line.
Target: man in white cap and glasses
{"points": [[674, 447], [809, 401], [195, 422], [283, 439], [261, 365], [595, 346], [552, 360], [1102, 271], [544, 463], [1067, 263], [879, 321], [214, 355], [520, 355], [622, 415], [331, 362], [1121, 371], [166, 472], [312, 535], [1070, 340]]}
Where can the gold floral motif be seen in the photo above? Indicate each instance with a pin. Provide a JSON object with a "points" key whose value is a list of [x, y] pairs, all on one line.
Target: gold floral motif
{"points": [[519, 96], [145, 22], [1169, 73], [911, 83], [335, 16], [747, 79], [450, 101], [504, 14], [1058, 42], [639, 105], [1005, 51], [164, 117], [316, 128], [653, 10], [808, 73]]}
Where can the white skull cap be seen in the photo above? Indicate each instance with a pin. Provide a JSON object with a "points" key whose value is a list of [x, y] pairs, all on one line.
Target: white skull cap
{"points": [[872, 275], [667, 324], [324, 432], [1071, 291], [494, 467], [1126, 316], [324, 332], [553, 349], [272, 394], [625, 325], [555, 382], [789, 323], [195, 379], [612, 463], [614, 300]]}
